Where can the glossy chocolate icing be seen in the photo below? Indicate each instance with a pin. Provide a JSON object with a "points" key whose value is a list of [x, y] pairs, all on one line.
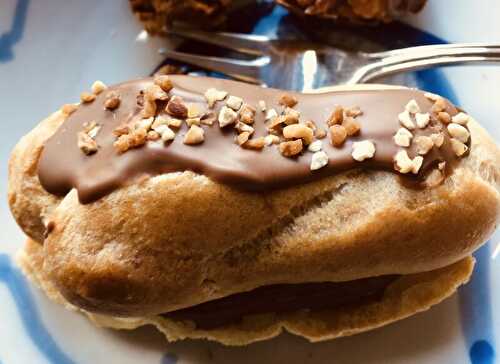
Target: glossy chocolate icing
{"points": [[281, 298], [63, 166]]}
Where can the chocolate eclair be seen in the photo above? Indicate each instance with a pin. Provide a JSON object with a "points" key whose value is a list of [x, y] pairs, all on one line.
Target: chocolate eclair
{"points": [[221, 210]]}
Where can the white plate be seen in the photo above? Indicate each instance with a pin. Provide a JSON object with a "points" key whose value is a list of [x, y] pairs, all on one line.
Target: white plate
{"points": [[52, 50]]}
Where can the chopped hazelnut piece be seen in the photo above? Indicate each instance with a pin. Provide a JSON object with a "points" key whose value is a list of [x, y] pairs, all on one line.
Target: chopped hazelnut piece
{"points": [[193, 121], [291, 148], [404, 164], [155, 92], [167, 134], [353, 112], [337, 116], [458, 132], [262, 105], [424, 144], [320, 133], [121, 130], [276, 123], [444, 117], [208, 119], [177, 108], [69, 109], [412, 107], [437, 139], [174, 122], [227, 116], [87, 97], [299, 131], [403, 137], [234, 102], [319, 160], [458, 147], [363, 150], [247, 114], [112, 101], [86, 144], [242, 127], [257, 143], [149, 108], [338, 135], [439, 105], [315, 146], [422, 120], [164, 82], [292, 116], [144, 123], [122, 144], [243, 137], [271, 139], [352, 127], [195, 135], [311, 124], [93, 132], [153, 135], [137, 137], [461, 118], [213, 95], [271, 114], [193, 111], [288, 100], [441, 166], [405, 120], [98, 87], [159, 120]]}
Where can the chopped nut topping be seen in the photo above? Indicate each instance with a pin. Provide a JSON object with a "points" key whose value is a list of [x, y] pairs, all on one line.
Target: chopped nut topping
{"points": [[166, 133], [193, 121], [243, 137], [69, 109], [363, 150], [424, 144], [89, 125], [353, 112], [338, 135], [121, 130], [315, 146], [242, 127], [87, 97], [174, 122], [262, 105], [439, 105], [458, 147], [155, 92], [257, 143], [404, 164], [458, 132], [291, 148], [461, 118], [164, 82], [193, 111], [437, 139], [247, 114], [271, 114], [86, 144], [292, 116], [234, 102], [311, 124], [227, 116], [176, 108], [159, 120], [319, 160], [271, 139], [213, 95], [288, 100], [144, 123], [98, 87], [153, 135], [337, 116], [122, 144], [351, 126], [405, 120], [412, 107], [441, 166], [149, 108], [134, 139], [195, 135], [403, 137], [93, 132], [299, 131], [320, 133], [112, 101], [422, 119], [276, 123], [208, 119], [444, 117]]}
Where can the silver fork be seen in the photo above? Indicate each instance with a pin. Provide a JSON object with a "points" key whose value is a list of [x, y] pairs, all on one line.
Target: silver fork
{"points": [[302, 65]]}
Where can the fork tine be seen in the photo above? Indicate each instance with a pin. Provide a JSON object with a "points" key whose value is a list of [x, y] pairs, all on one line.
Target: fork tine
{"points": [[247, 71], [244, 43]]}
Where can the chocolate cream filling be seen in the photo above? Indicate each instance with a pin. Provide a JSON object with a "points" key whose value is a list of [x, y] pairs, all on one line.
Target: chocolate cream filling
{"points": [[63, 166], [283, 298]]}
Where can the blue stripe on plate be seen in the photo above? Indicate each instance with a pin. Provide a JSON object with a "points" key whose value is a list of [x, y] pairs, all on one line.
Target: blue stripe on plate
{"points": [[15, 34], [28, 312]]}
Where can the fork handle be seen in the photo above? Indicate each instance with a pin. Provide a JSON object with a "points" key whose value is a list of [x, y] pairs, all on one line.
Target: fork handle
{"points": [[416, 58]]}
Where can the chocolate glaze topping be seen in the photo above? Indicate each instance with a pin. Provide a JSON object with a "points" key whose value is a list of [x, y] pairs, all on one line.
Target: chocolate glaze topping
{"points": [[282, 298], [63, 166]]}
